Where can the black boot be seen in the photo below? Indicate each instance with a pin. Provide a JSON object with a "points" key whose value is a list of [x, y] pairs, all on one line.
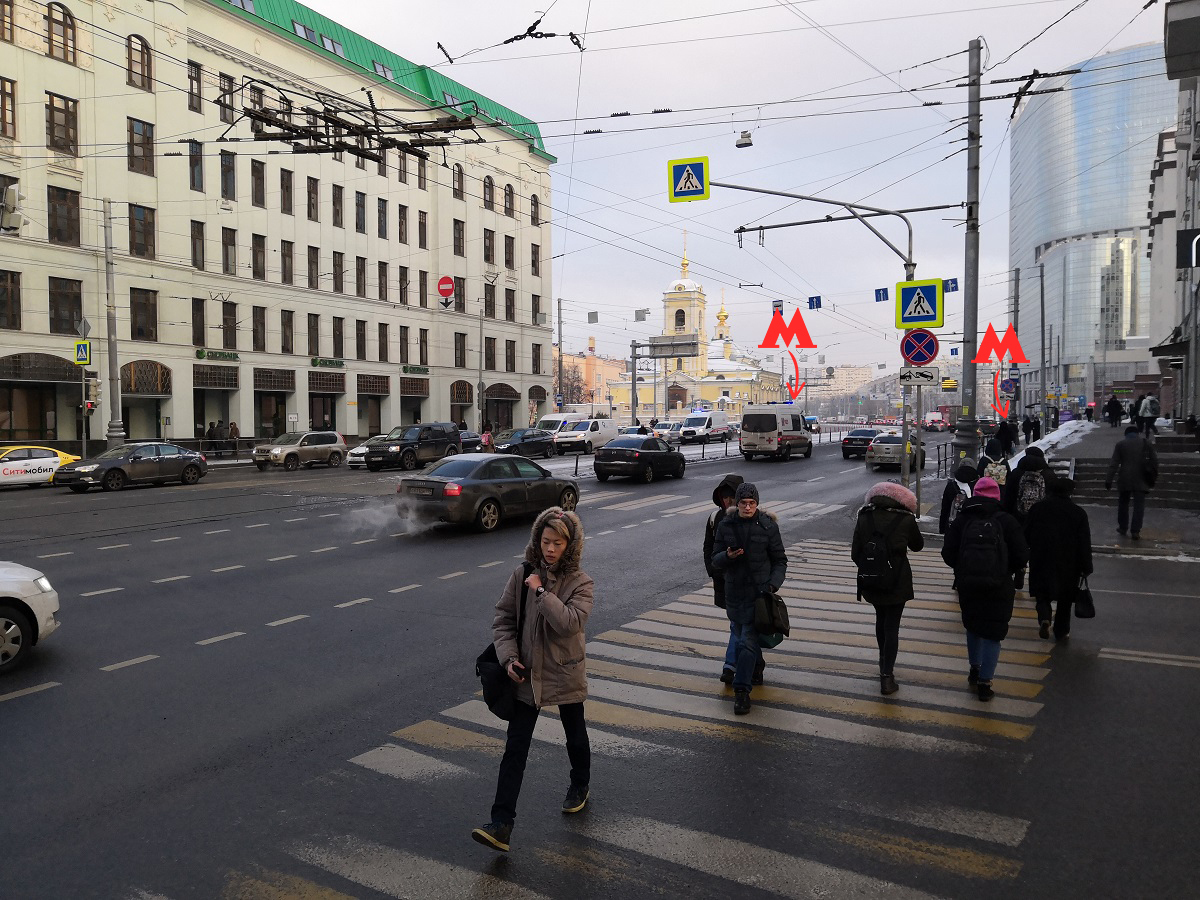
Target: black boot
{"points": [[741, 702], [985, 690], [887, 685], [973, 676]]}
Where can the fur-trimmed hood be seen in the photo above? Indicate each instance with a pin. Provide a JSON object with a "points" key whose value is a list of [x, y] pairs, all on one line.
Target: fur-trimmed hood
{"points": [[895, 492], [570, 560]]}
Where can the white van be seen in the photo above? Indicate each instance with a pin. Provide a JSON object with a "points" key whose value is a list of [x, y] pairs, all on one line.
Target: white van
{"points": [[774, 430], [558, 421], [702, 427], [584, 436]]}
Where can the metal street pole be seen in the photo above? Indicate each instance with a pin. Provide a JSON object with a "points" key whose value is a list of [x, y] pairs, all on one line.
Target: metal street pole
{"points": [[83, 410], [1042, 385], [479, 384], [633, 348], [561, 350], [115, 435], [966, 435], [1016, 319]]}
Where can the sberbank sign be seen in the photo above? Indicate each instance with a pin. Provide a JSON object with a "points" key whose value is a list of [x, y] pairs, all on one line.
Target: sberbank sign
{"points": [[228, 355], [321, 363], [415, 370]]}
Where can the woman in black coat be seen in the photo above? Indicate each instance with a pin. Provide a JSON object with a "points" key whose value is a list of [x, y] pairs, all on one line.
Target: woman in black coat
{"points": [[1060, 553], [890, 510]]}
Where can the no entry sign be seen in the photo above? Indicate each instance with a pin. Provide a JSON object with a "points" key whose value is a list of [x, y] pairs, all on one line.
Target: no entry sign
{"points": [[446, 286], [919, 347]]}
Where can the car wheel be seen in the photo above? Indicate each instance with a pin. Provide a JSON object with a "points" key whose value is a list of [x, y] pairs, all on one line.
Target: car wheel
{"points": [[261, 466], [587, 448], [114, 480], [602, 476], [335, 459], [16, 637], [704, 440], [808, 452], [648, 474], [408, 460], [568, 500], [845, 455], [451, 450], [682, 466], [748, 456], [488, 516], [549, 454], [78, 488], [922, 461], [786, 453], [191, 475], [292, 463], [373, 468]]}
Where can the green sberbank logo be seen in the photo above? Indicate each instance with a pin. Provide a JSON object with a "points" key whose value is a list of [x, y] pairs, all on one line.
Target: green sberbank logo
{"points": [[230, 355], [321, 363]]}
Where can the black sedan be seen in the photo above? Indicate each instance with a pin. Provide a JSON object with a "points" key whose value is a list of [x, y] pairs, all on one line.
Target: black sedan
{"points": [[482, 489], [526, 442], [645, 458], [142, 463], [857, 441], [472, 441]]}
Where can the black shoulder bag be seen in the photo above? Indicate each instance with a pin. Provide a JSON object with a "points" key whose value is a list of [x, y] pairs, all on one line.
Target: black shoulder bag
{"points": [[500, 691]]}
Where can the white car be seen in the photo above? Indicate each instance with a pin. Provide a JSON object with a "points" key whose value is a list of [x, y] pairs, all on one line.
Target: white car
{"points": [[28, 612], [357, 458], [31, 464]]}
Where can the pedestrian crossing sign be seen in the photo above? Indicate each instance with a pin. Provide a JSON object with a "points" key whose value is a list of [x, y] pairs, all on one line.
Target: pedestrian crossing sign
{"points": [[83, 353], [919, 304], [687, 179]]}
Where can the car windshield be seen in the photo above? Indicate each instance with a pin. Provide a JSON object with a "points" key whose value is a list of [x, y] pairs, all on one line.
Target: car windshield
{"points": [[863, 432], [116, 452], [888, 439], [696, 421], [634, 442], [581, 426], [759, 422], [676, 426], [292, 437], [550, 424], [454, 468]]}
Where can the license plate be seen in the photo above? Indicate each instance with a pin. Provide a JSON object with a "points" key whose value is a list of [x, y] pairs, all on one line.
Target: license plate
{"points": [[423, 491]]}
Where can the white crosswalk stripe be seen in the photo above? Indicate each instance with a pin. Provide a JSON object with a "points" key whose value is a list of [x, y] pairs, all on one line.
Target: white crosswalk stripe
{"points": [[642, 502], [599, 496]]}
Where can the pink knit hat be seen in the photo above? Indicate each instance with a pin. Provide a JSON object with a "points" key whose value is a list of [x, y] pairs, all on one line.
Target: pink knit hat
{"points": [[987, 487]]}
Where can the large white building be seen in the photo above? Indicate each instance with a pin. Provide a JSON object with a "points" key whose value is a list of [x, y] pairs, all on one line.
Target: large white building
{"points": [[254, 283]]}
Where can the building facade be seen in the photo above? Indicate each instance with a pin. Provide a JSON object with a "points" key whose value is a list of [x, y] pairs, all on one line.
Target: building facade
{"points": [[255, 282], [1078, 193]]}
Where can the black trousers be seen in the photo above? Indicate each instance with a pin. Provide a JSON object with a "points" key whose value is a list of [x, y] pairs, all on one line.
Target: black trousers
{"points": [[1064, 602], [887, 633], [516, 753]]}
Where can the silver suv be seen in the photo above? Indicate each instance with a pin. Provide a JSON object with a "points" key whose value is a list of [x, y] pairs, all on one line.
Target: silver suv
{"points": [[298, 448]]}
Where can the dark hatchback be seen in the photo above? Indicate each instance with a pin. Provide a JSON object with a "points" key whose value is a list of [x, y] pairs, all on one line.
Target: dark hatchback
{"points": [[482, 489], [857, 441], [143, 463], [525, 442], [644, 458]]}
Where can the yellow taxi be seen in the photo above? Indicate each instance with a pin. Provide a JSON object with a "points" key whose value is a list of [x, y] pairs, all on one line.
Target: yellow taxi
{"points": [[30, 464]]}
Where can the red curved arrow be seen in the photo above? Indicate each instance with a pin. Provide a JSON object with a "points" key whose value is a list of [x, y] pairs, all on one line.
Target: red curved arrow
{"points": [[1002, 411], [795, 365]]}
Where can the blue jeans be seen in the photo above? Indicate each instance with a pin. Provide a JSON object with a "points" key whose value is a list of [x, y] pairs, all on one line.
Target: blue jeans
{"points": [[749, 655], [983, 653]]}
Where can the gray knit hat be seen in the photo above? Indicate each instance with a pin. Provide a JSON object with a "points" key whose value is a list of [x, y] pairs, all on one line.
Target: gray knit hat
{"points": [[746, 491]]}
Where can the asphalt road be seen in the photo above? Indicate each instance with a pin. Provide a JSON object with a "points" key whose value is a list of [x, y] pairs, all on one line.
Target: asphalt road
{"points": [[263, 688]]}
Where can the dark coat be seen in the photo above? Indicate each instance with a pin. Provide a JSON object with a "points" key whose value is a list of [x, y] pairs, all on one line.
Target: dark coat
{"points": [[964, 480], [762, 567], [1030, 462], [1005, 436], [1128, 464], [1060, 548], [886, 515], [710, 531], [986, 613]]}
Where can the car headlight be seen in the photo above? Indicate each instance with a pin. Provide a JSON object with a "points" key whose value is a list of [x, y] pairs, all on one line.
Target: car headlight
{"points": [[91, 468], [276, 452], [503, 446], [43, 584], [394, 448]]}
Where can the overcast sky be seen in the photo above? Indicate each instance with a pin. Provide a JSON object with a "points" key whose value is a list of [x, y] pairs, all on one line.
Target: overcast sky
{"points": [[724, 66]]}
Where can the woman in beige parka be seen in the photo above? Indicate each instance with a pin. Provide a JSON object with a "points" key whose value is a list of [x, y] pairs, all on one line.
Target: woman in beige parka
{"points": [[546, 661]]}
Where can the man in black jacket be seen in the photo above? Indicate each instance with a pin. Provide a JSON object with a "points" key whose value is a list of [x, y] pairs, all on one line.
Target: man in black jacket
{"points": [[1060, 553], [1134, 465], [748, 549], [723, 499]]}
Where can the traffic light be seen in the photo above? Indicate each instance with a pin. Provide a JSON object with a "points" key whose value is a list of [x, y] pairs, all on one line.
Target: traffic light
{"points": [[93, 395], [12, 219]]}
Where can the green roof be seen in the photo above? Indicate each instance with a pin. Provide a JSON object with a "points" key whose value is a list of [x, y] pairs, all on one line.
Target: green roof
{"points": [[360, 55]]}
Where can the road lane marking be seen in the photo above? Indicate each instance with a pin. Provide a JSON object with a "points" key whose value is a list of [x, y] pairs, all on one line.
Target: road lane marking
{"points": [[352, 603], [398, 534], [401, 590], [401, 762], [652, 500], [855, 469], [498, 562], [1162, 659], [163, 540], [113, 547], [328, 515], [818, 478], [301, 519], [322, 550], [219, 638], [99, 592], [972, 823], [599, 534], [366, 541], [648, 521], [54, 555], [278, 558], [259, 525], [443, 736], [227, 568], [24, 692], [912, 851], [172, 578], [634, 525], [128, 662], [218, 531], [286, 621], [451, 575]]}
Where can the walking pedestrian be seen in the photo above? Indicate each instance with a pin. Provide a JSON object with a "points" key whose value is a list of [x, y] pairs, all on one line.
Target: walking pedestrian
{"points": [[546, 661], [1060, 554], [1134, 465], [723, 499], [1150, 410], [1005, 438], [222, 437], [1112, 410], [886, 530], [1135, 412], [235, 435], [485, 439], [993, 463], [1037, 429], [1027, 483], [985, 548], [1027, 429], [210, 437], [959, 488], [748, 550], [1089, 412]]}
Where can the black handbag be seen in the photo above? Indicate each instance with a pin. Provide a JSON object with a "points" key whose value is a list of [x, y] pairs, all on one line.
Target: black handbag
{"points": [[500, 691], [1085, 607], [771, 619]]}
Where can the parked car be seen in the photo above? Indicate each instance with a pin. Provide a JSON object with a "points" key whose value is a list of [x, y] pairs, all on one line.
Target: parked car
{"points": [[638, 456], [410, 446], [303, 448], [773, 430], [31, 464], [812, 424], [470, 441], [701, 428], [675, 435], [139, 463], [857, 441], [482, 489], [888, 450], [526, 442], [988, 425], [556, 422], [585, 436], [357, 458], [28, 612]]}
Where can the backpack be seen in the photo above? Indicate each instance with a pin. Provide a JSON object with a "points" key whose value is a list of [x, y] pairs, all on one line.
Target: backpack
{"points": [[997, 471], [1031, 489], [957, 502], [982, 556], [1155, 408], [877, 572]]}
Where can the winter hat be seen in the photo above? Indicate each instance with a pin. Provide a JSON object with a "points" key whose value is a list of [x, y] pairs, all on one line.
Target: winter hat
{"points": [[987, 487], [893, 491], [746, 491], [1061, 487], [1131, 429], [993, 450]]}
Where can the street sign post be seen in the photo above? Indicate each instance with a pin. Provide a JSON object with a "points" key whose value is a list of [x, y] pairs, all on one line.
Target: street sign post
{"points": [[919, 303], [687, 179], [919, 375], [881, 295], [919, 347], [83, 353], [950, 285]]}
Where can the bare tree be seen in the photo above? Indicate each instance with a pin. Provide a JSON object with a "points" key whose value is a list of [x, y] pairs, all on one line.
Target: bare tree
{"points": [[572, 387]]}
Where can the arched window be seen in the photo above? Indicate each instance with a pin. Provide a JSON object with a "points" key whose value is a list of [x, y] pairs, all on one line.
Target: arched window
{"points": [[680, 319], [510, 201], [457, 184], [489, 193], [535, 210], [60, 33], [678, 363], [138, 62]]}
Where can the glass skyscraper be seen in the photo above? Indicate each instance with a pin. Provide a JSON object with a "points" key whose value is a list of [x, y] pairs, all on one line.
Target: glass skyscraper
{"points": [[1080, 161]]}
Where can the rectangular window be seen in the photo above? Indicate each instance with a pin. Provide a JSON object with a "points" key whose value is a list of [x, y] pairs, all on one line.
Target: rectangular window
{"points": [[258, 183], [460, 350], [423, 347], [339, 272], [489, 300], [197, 245], [402, 339], [537, 309], [304, 31], [460, 237], [196, 166], [314, 334], [360, 162], [360, 276], [198, 326], [402, 224], [423, 289], [339, 337], [510, 252], [360, 339], [141, 231], [258, 328], [195, 79], [228, 325], [510, 356], [314, 200], [285, 191], [403, 282], [423, 230], [510, 305], [383, 342], [10, 300], [6, 21], [229, 251], [62, 214], [381, 217], [360, 212], [381, 69], [535, 259], [143, 315], [228, 175], [62, 124], [402, 167], [247, 5], [536, 356], [382, 278], [381, 166], [314, 268], [287, 330], [140, 146], [225, 100], [287, 262], [8, 108], [258, 257], [338, 194], [66, 306], [460, 294], [331, 45], [421, 167], [489, 246], [489, 353]]}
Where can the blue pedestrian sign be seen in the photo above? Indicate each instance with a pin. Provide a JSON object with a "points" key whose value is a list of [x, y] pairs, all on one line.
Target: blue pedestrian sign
{"points": [[881, 295], [919, 304], [83, 353], [687, 179], [950, 285]]}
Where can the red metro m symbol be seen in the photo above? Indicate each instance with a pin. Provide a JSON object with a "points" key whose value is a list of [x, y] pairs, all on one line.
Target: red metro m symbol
{"points": [[796, 331]]}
